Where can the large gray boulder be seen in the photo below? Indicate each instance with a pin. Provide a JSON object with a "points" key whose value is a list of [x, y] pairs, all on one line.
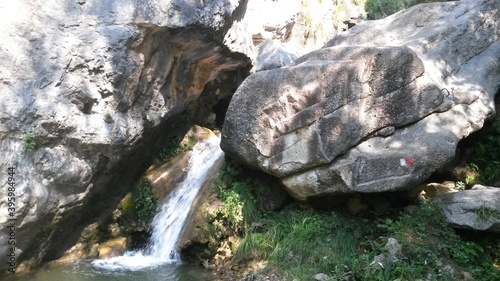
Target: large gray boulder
{"points": [[477, 208], [96, 82], [379, 108]]}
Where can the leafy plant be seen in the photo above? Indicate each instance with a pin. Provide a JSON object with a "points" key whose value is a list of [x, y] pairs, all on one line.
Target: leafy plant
{"points": [[460, 185], [175, 146], [232, 210], [240, 206], [29, 141], [144, 201]]}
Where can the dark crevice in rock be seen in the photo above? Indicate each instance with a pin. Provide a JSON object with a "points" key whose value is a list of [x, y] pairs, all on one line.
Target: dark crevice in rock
{"points": [[364, 203], [138, 240], [457, 169], [220, 110]]}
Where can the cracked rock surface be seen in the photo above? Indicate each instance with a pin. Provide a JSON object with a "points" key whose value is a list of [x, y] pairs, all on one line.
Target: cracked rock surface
{"points": [[379, 108], [96, 82]]}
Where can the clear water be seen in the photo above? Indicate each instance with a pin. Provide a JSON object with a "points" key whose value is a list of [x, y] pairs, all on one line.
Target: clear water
{"points": [[83, 270]]}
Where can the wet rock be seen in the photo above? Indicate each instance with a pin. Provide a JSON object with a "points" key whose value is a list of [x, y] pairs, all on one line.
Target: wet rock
{"points": [[112, 248]]}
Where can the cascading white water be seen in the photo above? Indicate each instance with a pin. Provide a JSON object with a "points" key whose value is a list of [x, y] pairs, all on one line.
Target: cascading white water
{"points": [[168, 223]]}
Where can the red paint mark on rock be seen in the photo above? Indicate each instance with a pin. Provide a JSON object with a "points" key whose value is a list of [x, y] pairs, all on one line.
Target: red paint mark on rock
{"points": [[409, 162]]}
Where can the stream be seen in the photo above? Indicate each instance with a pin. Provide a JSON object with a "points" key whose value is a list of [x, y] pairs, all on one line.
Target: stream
{"points": [[159, 260]]}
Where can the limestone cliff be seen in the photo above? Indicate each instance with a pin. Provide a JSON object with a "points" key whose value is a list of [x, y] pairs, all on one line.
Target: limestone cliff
{"points": [[88, 86]]}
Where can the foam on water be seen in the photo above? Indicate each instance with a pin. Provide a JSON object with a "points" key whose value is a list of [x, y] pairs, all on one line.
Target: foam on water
{"points": [[131, 260], [168, 224]]}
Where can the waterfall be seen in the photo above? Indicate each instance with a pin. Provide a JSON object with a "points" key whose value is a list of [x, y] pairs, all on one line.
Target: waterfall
{"points": [[168, 223]]}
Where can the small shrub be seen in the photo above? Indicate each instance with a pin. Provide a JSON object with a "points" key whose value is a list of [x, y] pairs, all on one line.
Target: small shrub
{"points": [[29, 141], [144, 201], [232, 210], [237, 191]]}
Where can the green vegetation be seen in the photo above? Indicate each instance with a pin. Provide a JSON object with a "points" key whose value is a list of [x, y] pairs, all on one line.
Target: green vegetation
{"points": [[485, 160], [240, 208], [302, 242], [311, 21], [485, 214], [144, 202], [378, 9], [177, 143], [29, 141], [382, 8], [139, 206], [175, 146], [134, 214]]}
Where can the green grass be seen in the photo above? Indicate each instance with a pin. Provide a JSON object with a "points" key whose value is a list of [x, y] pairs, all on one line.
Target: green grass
{"points": [[302, 243], [486, 214]]}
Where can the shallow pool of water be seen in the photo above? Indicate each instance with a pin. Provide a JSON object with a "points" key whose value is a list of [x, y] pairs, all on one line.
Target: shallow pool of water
{"points": [[84, 270]]}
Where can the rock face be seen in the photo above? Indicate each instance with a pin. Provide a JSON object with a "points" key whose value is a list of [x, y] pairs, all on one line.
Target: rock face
{"points": [[477, 208], [96, 82], [379, 108], [303, 25]]}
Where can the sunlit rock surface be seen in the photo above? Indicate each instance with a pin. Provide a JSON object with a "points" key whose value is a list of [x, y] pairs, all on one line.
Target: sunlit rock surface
{"points": [[96, 82], [477, 208], [302, 25], [379, 108]]}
